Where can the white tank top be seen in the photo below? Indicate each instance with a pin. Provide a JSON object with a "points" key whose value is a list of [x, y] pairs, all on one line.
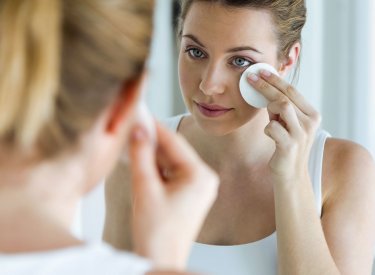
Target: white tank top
{"points": [[258, 257], [91, 258]]}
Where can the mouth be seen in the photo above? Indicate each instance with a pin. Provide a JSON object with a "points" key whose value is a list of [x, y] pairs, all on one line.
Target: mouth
{"points": [[212, 110]]}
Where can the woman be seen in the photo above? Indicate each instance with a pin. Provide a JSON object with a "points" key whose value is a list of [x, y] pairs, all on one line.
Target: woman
{"points": [[291, 199], [70, 80]]}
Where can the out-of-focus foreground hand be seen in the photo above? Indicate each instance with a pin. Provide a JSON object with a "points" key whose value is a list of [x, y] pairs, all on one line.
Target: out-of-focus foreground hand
{"points": [[173, 191]]}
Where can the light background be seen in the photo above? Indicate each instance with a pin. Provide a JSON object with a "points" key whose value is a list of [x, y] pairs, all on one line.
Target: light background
{"points": [[337, 77]]}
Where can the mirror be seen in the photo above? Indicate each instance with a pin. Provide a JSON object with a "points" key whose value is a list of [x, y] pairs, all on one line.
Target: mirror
{"points": [[335, 78]]}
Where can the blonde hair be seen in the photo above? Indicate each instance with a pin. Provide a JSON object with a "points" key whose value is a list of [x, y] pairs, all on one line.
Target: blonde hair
{"points": [[62, 62]]}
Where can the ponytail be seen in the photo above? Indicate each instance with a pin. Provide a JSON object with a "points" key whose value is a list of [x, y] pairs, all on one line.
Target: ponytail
{"points": [[29, 67]]}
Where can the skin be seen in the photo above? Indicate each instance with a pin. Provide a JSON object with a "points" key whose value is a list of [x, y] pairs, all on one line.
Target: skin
{"points": [[36, 215], [271, 146]]}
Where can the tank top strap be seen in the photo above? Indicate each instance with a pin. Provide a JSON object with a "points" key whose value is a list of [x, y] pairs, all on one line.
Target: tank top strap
{"points": [[172, 123], [315, 166]]}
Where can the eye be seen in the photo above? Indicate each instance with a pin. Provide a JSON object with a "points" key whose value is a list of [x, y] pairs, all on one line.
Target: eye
{"points": [[241, 62], [195, 53]]}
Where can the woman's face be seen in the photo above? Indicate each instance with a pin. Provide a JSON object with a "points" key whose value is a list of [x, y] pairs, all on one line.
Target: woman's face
{"points": [[218, 43]]}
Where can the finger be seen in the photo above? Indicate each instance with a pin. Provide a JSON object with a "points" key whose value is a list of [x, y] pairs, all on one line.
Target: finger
{"points": [[174, 151], [143, 164], [274, 94], [278, 133], [286, 111], [289, 91], [266, 89]]}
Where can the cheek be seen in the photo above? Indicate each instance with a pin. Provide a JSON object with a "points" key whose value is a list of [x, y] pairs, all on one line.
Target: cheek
{"points": [[189, 77]]}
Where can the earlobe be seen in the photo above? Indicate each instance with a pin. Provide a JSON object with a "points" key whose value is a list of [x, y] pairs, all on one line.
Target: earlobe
{"points": [[291, 60], [125, 104]]}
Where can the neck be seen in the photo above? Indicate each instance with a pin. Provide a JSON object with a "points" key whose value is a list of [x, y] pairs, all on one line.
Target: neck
{"points": [[248, 145], [37, 205]]}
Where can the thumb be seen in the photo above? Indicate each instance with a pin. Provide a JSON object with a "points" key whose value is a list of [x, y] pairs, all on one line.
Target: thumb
{"points": [[144, 171]]}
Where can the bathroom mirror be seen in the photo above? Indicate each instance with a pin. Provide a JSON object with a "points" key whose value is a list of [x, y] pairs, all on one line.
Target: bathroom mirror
{"points": [[336, 75]]}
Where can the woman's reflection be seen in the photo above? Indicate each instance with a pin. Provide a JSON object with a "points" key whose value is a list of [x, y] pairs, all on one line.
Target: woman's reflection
{"points": [[292, 200]]}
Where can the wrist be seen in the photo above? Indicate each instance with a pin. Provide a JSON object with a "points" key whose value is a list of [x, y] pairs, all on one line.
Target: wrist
{"points": [[169, 255], [291, 180], [164, 250]]}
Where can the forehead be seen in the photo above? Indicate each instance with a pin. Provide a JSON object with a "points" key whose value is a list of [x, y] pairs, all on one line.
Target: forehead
{"points": [[230, 26]]}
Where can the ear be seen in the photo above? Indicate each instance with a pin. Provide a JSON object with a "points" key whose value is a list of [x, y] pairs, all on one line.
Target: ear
{"points": [[124, 106], [291, 60]]}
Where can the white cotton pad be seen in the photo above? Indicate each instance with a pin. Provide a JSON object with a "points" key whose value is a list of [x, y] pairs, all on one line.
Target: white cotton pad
{"points": [[145, 118], [249, 94]]}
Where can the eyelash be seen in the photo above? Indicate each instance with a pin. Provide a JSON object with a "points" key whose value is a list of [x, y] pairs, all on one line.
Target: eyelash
{"points": [[189, 51], [245, 59]]}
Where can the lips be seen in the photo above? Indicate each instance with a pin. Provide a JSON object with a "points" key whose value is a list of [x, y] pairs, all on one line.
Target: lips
{"points": [[212, 110], [213, 107]]}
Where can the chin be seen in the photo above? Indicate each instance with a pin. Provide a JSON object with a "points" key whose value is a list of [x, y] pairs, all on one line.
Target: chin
{"points": [[217, 128]]}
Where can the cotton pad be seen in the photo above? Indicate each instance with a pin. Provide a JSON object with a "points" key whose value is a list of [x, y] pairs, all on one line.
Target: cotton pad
{"points": [[249, 94], [142, 117], [145, 118]]}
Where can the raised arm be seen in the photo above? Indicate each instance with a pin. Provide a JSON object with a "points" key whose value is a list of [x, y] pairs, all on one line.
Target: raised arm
{"points": [[118, 203], [343, 240], [172, 191]]}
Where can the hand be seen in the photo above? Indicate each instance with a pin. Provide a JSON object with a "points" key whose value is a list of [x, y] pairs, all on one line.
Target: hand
{"points": [[173, 191], [293, 124]]}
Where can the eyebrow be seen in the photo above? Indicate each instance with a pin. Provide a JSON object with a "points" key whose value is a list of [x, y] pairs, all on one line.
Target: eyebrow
{"points": [[237, 49]]}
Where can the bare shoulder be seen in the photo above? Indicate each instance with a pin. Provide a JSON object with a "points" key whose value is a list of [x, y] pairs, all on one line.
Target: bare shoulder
{"points": [[348, 217], [347, 166]]}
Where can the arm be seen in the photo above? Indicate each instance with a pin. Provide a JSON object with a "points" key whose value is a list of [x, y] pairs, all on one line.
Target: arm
{"points": [[117, 228], [343, 241], [167, 209], [118, 201], [349, 207]]}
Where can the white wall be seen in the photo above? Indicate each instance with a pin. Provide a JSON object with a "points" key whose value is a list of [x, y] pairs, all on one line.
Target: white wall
{"points": [[346, 83], [310, 80], [160, 91], [371, 104], [335, 67]]}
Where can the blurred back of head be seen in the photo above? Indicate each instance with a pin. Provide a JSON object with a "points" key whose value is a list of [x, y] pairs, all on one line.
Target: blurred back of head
{"points": [[62, 62]]}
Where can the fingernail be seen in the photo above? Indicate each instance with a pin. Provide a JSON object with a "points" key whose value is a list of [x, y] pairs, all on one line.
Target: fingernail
{"points": [[265, 73], [138, 134], [253, 77]]}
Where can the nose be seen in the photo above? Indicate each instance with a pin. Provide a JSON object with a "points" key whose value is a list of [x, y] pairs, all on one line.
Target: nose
{"points": [[212, 81]]}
